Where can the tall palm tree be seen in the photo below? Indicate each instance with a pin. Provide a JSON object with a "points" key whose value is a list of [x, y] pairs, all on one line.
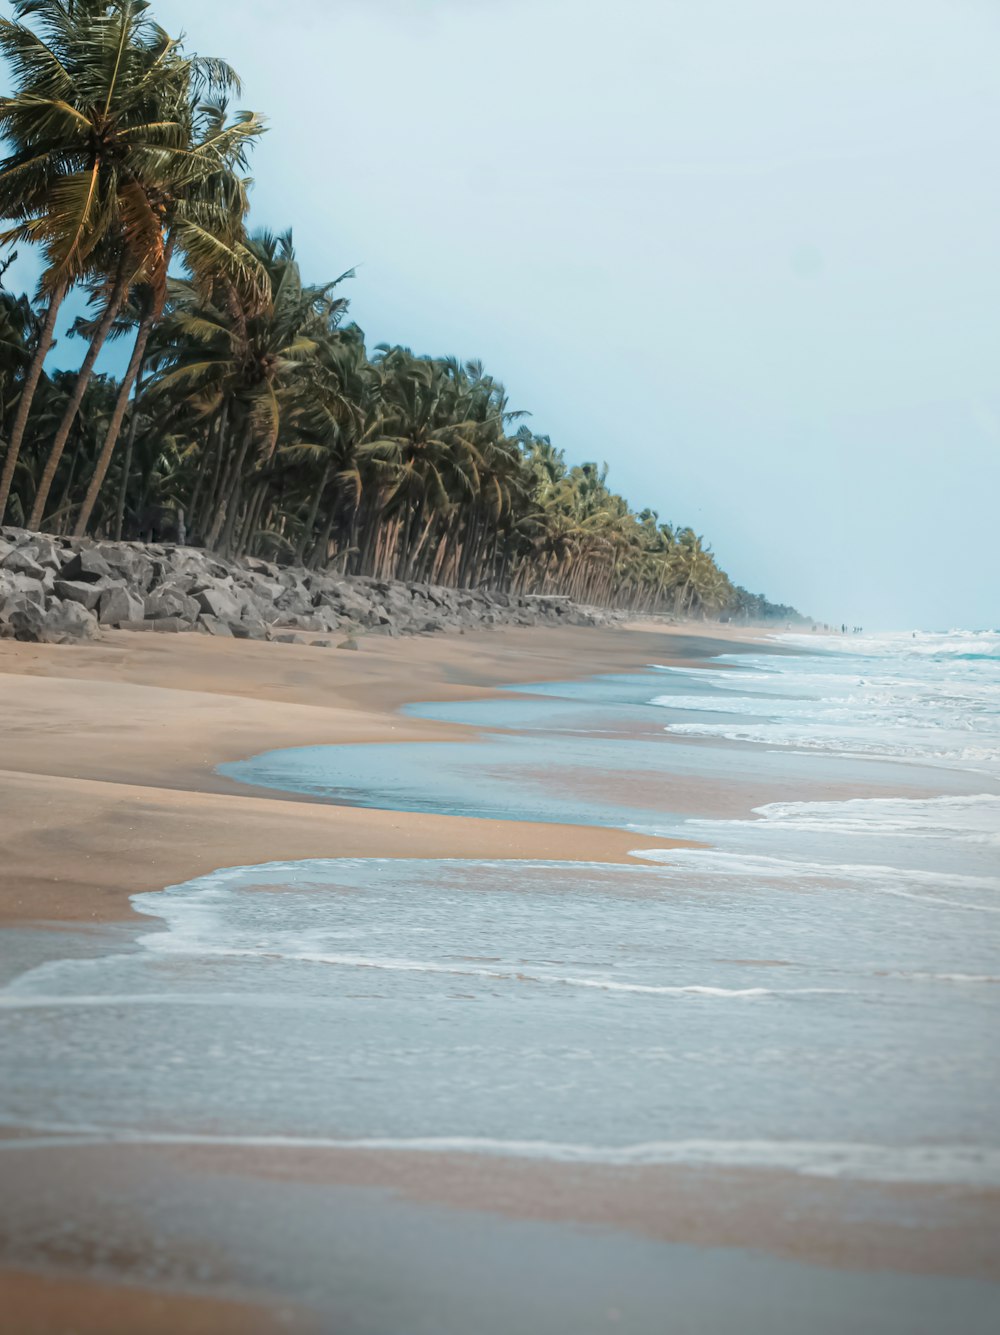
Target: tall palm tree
{"points": [[201, 202], [242, 354], [91, 81]]}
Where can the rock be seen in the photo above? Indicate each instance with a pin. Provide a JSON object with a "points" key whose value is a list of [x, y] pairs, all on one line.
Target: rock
{"points": [[87, 565], [62, 623], [76, 591], [313, 623], [218, 603], [129, 564], [170, 602], [49, 552], [168, 625], [23, 619], [259, 567], [118, 604], [214, 625], [13, 584], [322, 644], [70, 621], [142, 586], [22, 561]]}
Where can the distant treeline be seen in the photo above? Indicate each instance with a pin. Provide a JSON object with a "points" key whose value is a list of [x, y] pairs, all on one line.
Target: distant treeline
{"points": [[250, 417]]}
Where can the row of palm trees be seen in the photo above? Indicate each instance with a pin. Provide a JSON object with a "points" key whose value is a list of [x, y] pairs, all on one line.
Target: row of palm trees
{"points": [[250, 417]]}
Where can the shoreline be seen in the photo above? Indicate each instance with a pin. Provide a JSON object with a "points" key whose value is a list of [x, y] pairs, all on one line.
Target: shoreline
{"points": [[109, 788], [110, 753]]}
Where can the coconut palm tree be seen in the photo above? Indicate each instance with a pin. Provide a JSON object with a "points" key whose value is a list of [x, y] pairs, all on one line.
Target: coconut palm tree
{"points": [[92, 81], [201, 203], [241, 355]]}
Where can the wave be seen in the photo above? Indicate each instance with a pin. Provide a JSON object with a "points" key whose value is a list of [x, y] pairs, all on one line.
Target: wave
{"points": [[970, 1165], [870, 876], [783, 734], [943, 977], [394, 965], [975, 644], [973, 819]]}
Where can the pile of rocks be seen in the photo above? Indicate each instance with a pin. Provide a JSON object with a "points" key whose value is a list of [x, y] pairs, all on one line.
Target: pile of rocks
{"points": [[62, 589]]}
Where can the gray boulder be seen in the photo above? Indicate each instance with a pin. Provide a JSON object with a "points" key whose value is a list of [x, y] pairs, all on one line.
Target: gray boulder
{"points": [[129, 564], [214, 626], [248, 630], [304, 622], [13, 584], [22, 618], [23, 561], [77, 591], [69, 621], [219, 603], [118, 604], [59, 623], [87, 565], [170, 602], [167, 625]]}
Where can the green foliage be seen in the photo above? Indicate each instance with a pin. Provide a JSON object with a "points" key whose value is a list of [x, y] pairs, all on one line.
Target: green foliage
{"points": [[255, 421]]}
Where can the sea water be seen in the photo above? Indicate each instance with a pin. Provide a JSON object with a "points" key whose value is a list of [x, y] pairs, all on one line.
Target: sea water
{"points": [[815, 987]]}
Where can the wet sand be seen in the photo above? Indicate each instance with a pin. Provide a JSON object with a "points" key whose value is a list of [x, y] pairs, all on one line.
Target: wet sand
{"points": [[108, 754], [376, 1246], [108, 787]]}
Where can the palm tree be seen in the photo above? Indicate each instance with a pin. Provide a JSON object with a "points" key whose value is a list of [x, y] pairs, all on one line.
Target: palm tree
{"points": [[255, 413], [241, 355], [91, 82], [201, 202]]}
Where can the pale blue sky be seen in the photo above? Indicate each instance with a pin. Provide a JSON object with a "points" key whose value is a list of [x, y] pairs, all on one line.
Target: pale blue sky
{"points": [[746, 251]]}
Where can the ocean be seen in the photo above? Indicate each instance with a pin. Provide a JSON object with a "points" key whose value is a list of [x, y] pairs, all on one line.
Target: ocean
{"points": [[812, 987]]}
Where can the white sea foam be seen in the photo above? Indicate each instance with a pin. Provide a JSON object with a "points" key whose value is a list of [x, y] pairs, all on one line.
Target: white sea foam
{"points": [[933, 699], [944, 1164], [907, 644], [511, 974], [974, 819]]}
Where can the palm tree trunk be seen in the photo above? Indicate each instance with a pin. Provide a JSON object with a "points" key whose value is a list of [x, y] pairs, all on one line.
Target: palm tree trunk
{"points": [[115, 425], [252, 519], [199, 482], [76, 398], [211, 500], [124, 394], [31, 380], [320, 554], [229, 499], [310, 524], [133, 427]]}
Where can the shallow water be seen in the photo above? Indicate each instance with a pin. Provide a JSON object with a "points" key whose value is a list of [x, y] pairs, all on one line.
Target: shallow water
{"points": [[817, 990]]}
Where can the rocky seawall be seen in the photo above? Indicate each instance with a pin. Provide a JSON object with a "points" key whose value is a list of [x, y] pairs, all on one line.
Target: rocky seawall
{"points": [[54, 590]]}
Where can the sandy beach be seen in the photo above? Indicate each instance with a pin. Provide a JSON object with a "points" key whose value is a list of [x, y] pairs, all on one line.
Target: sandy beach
{"points": [[108, 754], [108, 788]]}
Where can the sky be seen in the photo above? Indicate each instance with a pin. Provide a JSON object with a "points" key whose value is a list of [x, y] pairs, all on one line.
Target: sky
{"points": [[745, 251]]}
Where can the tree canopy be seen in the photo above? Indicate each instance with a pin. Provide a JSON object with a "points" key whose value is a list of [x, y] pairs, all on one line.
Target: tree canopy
{"points": [[251, 417]]}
